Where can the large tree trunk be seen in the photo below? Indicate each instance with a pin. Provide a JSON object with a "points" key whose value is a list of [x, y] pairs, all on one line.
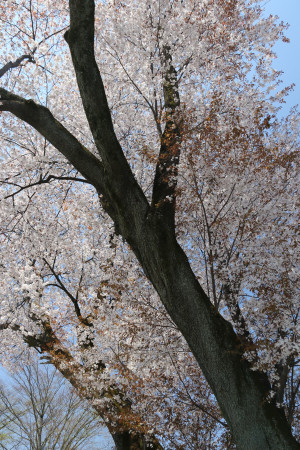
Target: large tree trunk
{"points": [[241, 392], [255, 422]]}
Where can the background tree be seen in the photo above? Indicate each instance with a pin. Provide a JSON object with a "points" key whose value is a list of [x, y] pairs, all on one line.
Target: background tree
{"points": [[40, 411], [202, 193]]}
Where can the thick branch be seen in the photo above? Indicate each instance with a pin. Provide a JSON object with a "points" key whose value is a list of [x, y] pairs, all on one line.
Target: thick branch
{"points": [[43, 121], [124, 199], [80, 39], [163, 197]]}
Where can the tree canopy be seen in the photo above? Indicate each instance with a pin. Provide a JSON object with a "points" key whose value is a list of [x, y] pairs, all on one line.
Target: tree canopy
{"points": [[150, 216]]}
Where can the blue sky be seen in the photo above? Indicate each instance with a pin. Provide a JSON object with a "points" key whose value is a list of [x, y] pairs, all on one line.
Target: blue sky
{"points": [[288, 54]]}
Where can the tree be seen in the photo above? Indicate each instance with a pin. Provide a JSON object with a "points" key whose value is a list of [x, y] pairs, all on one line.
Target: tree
{"points": [[196, 179], [40, 411]]}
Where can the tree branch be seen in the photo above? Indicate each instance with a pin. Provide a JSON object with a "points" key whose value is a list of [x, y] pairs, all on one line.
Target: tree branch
{"points": [[125, 201], [44, 122], [43, 181], [16, 63], [74, 300], [80, 38], [165, 181]]}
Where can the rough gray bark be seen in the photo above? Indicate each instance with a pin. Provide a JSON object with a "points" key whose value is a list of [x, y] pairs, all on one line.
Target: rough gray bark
{"points": [[242, 393]]}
